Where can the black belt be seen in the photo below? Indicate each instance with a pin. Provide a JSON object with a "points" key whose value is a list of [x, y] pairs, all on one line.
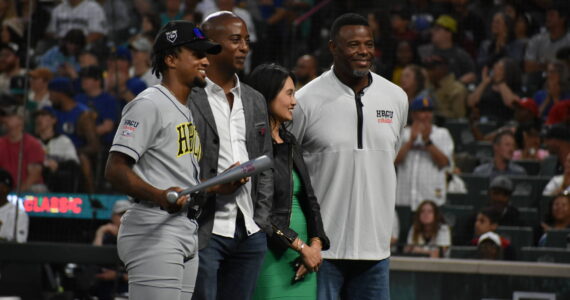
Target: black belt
{"points": [[193, 213]]}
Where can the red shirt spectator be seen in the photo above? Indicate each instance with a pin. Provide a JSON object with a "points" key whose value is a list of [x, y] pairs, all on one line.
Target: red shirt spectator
{"points": [[560, 113]]}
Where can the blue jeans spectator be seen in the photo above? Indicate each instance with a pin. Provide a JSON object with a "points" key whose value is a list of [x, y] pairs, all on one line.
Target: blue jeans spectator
{"points": [[354, 279], [229, 267]]}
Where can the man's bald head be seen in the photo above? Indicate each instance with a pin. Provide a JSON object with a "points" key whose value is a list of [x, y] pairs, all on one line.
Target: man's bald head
{"points": [[216, 23]]}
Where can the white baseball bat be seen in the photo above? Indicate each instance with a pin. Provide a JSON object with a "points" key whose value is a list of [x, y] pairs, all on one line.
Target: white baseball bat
{"points": [[247, 169]]}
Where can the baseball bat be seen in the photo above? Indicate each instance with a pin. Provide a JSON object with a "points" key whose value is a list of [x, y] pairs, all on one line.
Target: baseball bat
{"points": [[247, 169]]}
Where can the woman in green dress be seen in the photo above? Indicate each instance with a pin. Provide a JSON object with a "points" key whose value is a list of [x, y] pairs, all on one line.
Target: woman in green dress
{"points": [[298, 235]]}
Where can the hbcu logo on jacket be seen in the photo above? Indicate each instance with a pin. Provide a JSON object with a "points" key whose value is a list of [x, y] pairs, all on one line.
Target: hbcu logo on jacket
{"points": [[384, 116]]}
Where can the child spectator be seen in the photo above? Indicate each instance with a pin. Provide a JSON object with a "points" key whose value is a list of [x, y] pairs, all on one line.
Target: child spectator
{"points": [[489, 247], [527, 136], [429, 235], [488, 221], [39, 93]]}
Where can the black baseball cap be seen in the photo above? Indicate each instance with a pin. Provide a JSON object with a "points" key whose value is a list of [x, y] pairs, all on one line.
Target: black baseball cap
{"points": [[184, 33]]}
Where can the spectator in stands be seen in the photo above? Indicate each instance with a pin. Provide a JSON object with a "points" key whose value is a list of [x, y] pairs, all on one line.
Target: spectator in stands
{"points": [[38, 19], [87, 59], [449, 93], [423, 158], [503, 149], [429, 235], [111, 281], [559, 183], [498, 89], [442, 44], [273, 17], [488, 221], [501, 44], [557, 217], [33, 153], [150, 24], [39, 93], [140, 48], [61, 170], [556, 88], [559, 114], [472, 31], [12, 31], [523, 28], [489, 247], [384, 43], [10, 65], [172, 11], [118, 81], [400, 18], [8, 213], [105, 105], [543, 46], [414, 82], [500, 191], [63, 58], [306, 69], [76, 121], [7, 10], [87, 16], [557, 141], [527, 137], [405, 55], [119, 18]]}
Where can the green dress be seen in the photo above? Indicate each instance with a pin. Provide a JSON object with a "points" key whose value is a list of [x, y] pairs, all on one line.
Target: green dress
{"points": [[276, 277]]}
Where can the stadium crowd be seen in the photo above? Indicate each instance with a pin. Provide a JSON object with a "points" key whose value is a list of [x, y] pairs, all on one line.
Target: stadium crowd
{"points": [[483, 162]]}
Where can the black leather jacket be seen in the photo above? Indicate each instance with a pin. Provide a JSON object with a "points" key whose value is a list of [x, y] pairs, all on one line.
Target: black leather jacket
{"points": [[287, 156]]}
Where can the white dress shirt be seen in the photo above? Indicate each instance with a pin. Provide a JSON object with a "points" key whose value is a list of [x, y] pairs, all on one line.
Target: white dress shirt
{"points": [[230, 124]]}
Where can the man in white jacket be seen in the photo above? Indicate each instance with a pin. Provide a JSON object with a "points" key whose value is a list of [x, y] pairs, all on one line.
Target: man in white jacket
{"points": [[349, 122]]}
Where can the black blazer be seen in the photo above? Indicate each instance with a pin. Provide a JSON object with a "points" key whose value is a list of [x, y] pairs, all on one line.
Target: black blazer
{"points": [[286, 157], [258, 142]]}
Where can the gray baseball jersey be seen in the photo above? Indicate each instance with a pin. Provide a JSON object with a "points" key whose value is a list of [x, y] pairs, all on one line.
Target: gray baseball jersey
{"points": [[159, 249], [157, 131]]}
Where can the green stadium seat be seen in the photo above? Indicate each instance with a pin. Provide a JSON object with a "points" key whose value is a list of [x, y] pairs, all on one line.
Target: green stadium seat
{"points": [[476, 184], [548, 166], [519, 236], [463, 252], [529, 216], [460, 132], [532, 167], [405, 217], [458, 199], [545, 254], [557, 238], [482, 150], [455, 213], [544, 205]]}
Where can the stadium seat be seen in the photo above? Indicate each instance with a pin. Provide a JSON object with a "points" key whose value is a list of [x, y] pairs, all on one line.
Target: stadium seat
{"points": [[454, 213], [464, 252], [519, 236], [476, 184], [545, 254], [532, 167], [529, 215], [548, 166], [482, 150], [527, 189], [544, 205], [460, 132], [458, 199], [558, 238], [405, 217]]}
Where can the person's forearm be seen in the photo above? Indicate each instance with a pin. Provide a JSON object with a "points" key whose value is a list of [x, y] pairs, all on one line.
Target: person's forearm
{"points": [[468, 78], [507, 95], [475, 97], [120, 174], [105, 127], [34, 176], [406, 147], [437, 156]]}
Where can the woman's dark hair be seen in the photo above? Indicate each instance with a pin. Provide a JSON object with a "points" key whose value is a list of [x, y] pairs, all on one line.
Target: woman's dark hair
{"points": [[548, 217], [509, 24], [157, 60], [512, 74], [269, 79], [492, 213], [73, 36], [419, 228]]}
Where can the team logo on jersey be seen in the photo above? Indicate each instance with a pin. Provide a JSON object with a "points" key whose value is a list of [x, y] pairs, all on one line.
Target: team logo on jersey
{"points": [[129, 127], [384, 116], [188, 141], [171, 36]]}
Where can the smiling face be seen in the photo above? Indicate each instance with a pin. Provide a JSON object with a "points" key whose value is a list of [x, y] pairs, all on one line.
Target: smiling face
{"points": [[353, 50], [231, 33], [189, 67], [281, 108]]}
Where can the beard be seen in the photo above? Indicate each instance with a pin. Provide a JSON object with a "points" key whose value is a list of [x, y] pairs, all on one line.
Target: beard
{"points": [[199, 82], [360, 73]]}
